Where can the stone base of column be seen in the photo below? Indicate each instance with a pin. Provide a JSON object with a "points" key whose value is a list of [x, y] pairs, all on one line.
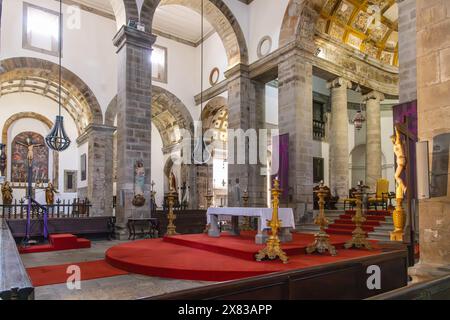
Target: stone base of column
{"points": [[426, 271], [121, 232]]}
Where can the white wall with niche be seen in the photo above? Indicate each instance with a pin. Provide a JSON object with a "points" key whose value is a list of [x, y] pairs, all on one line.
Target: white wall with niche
{"points": [[12, 104]]}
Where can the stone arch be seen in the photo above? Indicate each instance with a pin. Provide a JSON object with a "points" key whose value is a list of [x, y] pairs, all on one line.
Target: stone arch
{"points": [[124, 10], [357, 163], [169, 114], [32, 115], [38, 76], [299, 22], [215, 116], [111, 112], [219, 16]]}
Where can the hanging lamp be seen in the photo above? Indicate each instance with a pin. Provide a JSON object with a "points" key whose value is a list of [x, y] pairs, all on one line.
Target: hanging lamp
{"points": [[359, 118], [201, 155], [57, 139]]}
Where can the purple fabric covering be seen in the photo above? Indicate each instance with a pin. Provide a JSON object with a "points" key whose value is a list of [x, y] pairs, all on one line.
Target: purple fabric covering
{"points": [[282, 144]]}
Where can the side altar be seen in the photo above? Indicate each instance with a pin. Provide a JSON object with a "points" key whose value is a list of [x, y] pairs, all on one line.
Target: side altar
{"points": [[263, 215]]}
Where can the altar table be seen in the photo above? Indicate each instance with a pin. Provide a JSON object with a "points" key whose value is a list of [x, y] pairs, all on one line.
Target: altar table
{"points": [[285, 215]]}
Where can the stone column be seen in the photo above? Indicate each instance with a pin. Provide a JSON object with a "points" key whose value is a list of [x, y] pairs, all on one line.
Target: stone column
{"points": [[433, 92], [245, 113], [99, 168], [373, 139], [339, 137], [133, 118], [295, 118]]}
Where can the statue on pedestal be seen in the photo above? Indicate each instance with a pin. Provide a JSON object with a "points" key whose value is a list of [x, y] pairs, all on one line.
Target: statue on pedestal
{"points": [[399, 215], [139, 184], [399, 152], [50, 194], [7, 193]]}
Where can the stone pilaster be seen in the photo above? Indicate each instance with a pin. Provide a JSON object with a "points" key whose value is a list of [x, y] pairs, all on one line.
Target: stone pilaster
{"points": [[246, 113], [134, 50], [373, 138], [100, 168], [339, 137], [295, 117]]}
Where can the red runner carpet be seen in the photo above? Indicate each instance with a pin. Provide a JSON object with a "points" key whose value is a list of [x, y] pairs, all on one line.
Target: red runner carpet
{"points": [[48, 275]]}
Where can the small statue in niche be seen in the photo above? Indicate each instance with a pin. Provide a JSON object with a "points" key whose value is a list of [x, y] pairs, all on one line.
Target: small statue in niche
{"points": [[7, 193], [139, 184], [50, 194]]}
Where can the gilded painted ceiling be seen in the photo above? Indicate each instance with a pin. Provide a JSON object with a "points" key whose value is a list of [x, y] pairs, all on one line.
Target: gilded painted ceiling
{"points": [[370, 26]]}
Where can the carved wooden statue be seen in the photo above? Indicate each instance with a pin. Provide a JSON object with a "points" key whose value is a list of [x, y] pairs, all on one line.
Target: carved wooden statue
{"points": [[30, 146], [50, 194], [7, 193], [399, 152]]}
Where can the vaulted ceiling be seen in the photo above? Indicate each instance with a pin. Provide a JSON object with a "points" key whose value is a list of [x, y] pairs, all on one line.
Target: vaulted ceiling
{"points": [[172, 20], [370, 26]]}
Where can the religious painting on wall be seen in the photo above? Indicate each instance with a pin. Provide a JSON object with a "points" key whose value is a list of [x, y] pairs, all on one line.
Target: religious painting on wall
{"points": [[83, 167], [25, 145]]}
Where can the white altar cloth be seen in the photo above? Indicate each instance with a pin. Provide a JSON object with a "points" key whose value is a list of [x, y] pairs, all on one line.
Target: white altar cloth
{"points": [[286, 215]]}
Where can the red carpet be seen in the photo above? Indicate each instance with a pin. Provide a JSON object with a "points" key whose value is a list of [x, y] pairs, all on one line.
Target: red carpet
{"points": [[48, 275], [345, 226], [58, 242], [196, 257]]}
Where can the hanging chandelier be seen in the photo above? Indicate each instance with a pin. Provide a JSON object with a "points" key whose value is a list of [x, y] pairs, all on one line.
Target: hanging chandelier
{"points": [[201, 154], [57, 139], [359, 118]]}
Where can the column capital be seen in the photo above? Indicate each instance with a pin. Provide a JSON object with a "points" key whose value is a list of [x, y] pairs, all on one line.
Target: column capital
{"points": [[374, 95], [134, 37], [339, 83], [238, 70], [94, 128]]}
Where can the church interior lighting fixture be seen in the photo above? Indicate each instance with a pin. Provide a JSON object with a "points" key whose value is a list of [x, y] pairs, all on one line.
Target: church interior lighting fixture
{"points": [[359, 118], [58, 139]]}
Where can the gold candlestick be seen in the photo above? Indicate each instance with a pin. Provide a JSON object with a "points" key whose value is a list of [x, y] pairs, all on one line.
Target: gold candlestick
{"points": [[273, 249], [171, 228], [321, 243], [359, 238], [246, 220]]}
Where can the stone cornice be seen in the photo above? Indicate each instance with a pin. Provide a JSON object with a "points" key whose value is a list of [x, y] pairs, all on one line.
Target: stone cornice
{"points": [[239, 70], [96, 129], [134, 37], [213, 91]]}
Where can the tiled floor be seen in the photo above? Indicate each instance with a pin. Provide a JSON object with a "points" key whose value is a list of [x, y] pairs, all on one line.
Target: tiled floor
{"points": [[124, 287]]}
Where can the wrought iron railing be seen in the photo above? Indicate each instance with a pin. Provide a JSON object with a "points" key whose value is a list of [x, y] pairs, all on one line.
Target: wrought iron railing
{"points": [[318, 129], [61, 209]]}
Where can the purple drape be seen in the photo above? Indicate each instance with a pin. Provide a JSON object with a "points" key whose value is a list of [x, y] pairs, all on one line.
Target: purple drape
{"points": [[281, 143]]}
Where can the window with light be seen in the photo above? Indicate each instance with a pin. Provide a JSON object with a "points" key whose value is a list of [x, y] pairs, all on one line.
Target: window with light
{"points": [[40, 29]]}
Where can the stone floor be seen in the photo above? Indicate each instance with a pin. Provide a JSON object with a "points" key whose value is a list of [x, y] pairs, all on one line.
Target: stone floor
{"points": [[124, 287]]}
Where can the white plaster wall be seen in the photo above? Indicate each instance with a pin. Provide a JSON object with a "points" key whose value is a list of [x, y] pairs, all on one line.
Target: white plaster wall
{"points": [[214, 56], [97, 68], [265, 19], [25, 102], [271, 105], [157, 167]]}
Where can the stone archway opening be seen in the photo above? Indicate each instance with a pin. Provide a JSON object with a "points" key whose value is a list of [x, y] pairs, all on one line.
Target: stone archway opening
{"points": [[220, 17]]}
